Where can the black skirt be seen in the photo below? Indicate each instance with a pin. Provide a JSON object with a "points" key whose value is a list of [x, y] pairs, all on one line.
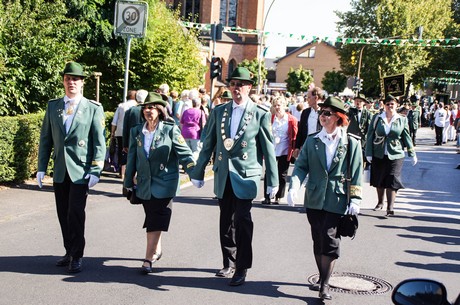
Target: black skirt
{"points": [[157, 214], [386, 173]]}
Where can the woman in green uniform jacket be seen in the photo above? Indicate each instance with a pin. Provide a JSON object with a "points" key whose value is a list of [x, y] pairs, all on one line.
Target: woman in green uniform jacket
{"points": [[155, 150], [324, 158]]}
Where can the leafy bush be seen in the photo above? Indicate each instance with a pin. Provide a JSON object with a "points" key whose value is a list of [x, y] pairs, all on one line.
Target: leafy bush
{"points": [[19, 146]]}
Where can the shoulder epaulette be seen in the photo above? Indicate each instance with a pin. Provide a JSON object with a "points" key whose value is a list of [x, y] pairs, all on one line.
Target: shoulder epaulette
{"points": [[95, 103], [263, 107], [354, 136]]}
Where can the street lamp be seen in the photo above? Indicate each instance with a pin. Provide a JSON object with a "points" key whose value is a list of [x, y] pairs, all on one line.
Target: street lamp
{"points": [[261, 49]]}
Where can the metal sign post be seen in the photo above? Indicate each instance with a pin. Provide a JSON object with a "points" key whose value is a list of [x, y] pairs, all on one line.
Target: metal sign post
{"points": [[130, 21]]}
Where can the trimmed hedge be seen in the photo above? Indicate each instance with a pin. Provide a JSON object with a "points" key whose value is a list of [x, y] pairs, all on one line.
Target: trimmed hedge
{"points": [[19, 146]]}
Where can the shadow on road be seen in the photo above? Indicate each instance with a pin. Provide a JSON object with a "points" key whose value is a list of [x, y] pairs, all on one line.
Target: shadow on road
{"points": [[111, 270]]}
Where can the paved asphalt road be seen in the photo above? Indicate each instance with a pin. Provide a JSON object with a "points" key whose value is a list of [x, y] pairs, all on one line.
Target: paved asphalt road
{"points": [[422, 240]]}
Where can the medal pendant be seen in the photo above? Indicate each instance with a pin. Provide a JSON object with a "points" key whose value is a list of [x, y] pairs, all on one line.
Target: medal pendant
{"points": [[228, 143]]}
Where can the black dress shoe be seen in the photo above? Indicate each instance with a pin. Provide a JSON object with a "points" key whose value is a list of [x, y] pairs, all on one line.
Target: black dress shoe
{"points": [[379, 206], [63, 261], [225, 272], [75, 265], [324, 293], [390, 213], [277, 201], [238, 278], [266, 201]]}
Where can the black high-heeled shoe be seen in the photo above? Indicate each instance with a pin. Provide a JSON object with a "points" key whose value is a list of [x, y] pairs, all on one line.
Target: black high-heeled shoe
{"points": [[379, 206], [324, 293], [147, 269], [390, 213]]}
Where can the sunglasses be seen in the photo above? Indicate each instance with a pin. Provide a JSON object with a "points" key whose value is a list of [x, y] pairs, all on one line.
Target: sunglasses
{"points": [[238, 84], [326, 113], [389, 104], [149, 107]]}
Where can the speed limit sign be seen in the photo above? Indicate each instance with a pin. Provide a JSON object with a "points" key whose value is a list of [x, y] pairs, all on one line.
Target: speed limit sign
{"points": [[130, 18]]}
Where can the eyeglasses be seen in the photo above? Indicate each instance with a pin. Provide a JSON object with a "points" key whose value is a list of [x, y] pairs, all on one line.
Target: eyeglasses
{"points": [[326, 113], [238, 84], [149, 107]]}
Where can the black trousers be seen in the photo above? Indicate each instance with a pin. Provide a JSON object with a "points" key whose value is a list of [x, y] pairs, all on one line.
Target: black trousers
{"points": [[235, 229], [283, 167], [70, 207], [438, 131]]}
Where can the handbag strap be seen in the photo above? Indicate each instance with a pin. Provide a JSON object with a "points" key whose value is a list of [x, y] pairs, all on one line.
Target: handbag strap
{"points": [[348, 179]]}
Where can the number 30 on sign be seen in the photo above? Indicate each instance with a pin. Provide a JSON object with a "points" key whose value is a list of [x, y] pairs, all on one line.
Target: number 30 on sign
{"points": [[130, 18]]}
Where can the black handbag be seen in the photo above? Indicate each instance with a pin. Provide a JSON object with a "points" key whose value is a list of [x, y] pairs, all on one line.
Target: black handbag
{"points": [[131, 196], [348, 224]]}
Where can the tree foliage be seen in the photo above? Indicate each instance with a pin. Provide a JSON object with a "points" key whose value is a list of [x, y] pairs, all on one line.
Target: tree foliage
{"points": [[298, 80], [334, 81], [390, 19], [253, 67], [37, 37], [35, 41]]}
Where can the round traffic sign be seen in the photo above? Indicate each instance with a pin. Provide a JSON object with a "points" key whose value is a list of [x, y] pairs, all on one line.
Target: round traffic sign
{"points": [[131, 15]]}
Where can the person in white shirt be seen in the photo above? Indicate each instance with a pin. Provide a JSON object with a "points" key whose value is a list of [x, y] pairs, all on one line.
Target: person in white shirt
{"points": [[440, 116], [117, 129]]}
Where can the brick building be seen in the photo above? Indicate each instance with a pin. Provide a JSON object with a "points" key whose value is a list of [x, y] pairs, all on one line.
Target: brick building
{"points": [[316, 57], [233, 48]]}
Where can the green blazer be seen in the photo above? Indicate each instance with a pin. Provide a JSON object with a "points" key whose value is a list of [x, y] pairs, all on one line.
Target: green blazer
{"points": [[157, 174], [359, 129], [133, 117], [242, 164], [395, 141], [79, 152], [327, 189]]}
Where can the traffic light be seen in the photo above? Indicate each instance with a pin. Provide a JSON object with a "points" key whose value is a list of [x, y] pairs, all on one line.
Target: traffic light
{"points": [[358, 86], [216, 67]]}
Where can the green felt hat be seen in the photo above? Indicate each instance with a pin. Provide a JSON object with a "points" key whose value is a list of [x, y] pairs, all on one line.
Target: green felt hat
{"points": [[389, 98], [361, 96], [155, 98], [242, 73], [335, 103], [73, 68], [226, 94]]}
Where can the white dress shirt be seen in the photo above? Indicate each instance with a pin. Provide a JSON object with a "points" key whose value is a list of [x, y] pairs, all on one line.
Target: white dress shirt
{"points": [[331, 141], [70, 109], [237, 114]]}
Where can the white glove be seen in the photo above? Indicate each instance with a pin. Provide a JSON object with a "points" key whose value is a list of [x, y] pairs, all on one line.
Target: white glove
{"points": [[197, 183], [40, 176], [129, 189], [291, 197], [271, 191], [353, 209], [414, 160], [93, 180], [369, 159]]}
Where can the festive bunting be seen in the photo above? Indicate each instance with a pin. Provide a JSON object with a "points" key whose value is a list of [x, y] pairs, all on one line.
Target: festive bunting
{"points": [[411, 42]]}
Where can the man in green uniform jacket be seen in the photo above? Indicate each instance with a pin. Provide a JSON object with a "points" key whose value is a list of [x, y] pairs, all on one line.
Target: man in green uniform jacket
{"points": [[240, 134], [74, 127]]}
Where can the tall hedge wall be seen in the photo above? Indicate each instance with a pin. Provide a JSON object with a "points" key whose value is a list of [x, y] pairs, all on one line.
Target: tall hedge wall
{"points": [[20, 136]]}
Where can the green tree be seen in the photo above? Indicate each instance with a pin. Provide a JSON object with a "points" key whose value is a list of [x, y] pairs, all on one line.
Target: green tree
{"points": [[298, 80], [334, 81], [253, 67], [35, 41], [389, 19]]}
